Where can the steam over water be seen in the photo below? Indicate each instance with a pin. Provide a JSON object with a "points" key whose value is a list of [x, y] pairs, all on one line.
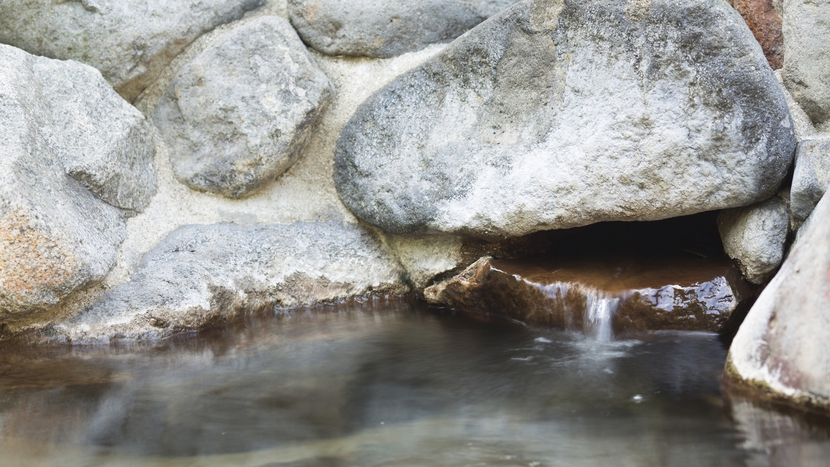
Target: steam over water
{"points": [[393, 384]]}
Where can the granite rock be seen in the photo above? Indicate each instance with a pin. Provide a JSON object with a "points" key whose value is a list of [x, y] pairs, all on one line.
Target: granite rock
{"points": [[77, 158], [782, 348], [204, 274], [811, 177], [129, 42], [807, 55], [556, 114], [240, 113], [380, 28], [755, 235]]}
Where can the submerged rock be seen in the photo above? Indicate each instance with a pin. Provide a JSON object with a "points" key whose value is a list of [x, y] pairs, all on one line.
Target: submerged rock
{"points": [[755, 235], [129, 42], [556, 114], [616, 295], [782, 349], [239, 114], [807, 54], [811, 177], [204, 274], [382, 28], [73, 154]]}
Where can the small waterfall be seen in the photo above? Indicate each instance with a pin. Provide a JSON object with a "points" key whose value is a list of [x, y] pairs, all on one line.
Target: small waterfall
{"points": [[600, 309]]}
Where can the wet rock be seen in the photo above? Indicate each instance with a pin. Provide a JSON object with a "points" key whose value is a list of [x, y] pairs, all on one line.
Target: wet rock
{"points": [[810, 177], [782, 348], [755, 235], [807, 52], [73, 154], [616, 294], [239, 114], [380, 28], [129, 42], [765, 23], [559, 114], [204, 274]]}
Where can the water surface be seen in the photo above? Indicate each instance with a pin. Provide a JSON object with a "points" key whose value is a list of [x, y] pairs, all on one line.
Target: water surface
{"points": [[390, 384]]}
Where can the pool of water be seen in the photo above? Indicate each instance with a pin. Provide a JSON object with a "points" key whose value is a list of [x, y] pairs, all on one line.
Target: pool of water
{"points": [[391, 384]]}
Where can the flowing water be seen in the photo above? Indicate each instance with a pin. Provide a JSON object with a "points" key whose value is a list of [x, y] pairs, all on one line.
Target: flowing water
{"points": [[392, 384]]}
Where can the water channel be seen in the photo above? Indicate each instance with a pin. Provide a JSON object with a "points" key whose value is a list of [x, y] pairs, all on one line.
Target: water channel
{"points": [[391, 383]]}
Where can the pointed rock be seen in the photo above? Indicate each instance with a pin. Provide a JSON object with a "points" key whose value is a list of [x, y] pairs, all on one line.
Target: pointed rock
{"points": [[74, 152], [782, 349]]}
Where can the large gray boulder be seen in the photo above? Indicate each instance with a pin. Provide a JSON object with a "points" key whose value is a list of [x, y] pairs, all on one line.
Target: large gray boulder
{"points": [[807, 55], [130, 42], [783, 346], [557, 114], [754, 236], [382, 28], [203, 274], [239, 114], [811, 177], [76, 159]]}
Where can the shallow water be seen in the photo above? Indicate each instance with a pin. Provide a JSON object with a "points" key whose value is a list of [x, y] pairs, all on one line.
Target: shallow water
{"points": [[392, 384]]}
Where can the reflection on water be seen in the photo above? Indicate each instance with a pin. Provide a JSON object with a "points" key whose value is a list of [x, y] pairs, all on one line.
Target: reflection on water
{"points": [[389, 384]]}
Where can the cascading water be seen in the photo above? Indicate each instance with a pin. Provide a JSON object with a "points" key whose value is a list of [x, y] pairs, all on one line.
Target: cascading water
{"points": [[600, 310], [599, 307]]}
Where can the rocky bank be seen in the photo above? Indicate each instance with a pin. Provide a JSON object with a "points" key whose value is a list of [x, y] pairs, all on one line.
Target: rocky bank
{"points": [[171, 165]]}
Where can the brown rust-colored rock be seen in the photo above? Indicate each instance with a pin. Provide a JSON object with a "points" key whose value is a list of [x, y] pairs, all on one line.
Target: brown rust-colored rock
{"points": [[765, 23], [684, 293]]}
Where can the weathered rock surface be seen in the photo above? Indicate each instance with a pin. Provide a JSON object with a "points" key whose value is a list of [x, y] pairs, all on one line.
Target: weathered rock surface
{"points": [[380, 28], [129, 42], [782, 348], [239, 114], [73, 153], [754, 236], [203, 274], [807, 54], [556, 114], [765, 23], [598, 296], [802, 125], [811, 177]]}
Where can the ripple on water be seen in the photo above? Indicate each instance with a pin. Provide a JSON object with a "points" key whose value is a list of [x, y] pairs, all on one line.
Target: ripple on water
{"points": [[388, 384]]}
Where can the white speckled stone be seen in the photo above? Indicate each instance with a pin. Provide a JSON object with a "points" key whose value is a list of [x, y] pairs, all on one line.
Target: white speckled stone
{"points": [[383, 28], [754, 236], [783, 346], [557, 114], [202, 274], [76, 159], [130, 42], [807, 55], [240, 113], [811, 177]]}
